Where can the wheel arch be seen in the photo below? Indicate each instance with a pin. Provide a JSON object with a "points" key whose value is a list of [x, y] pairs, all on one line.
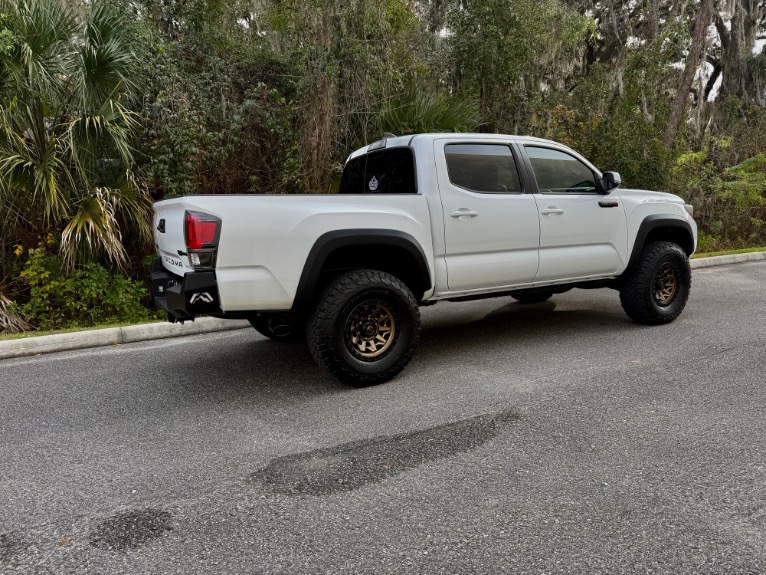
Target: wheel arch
{"points": [[662, 228], [391, 251]]}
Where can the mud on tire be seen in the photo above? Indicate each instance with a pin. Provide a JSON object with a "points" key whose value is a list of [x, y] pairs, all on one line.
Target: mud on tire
{"points": [[656, 289], [364, 328]]}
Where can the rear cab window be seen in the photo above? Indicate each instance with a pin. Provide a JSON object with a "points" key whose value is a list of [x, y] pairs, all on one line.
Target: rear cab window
{"points": [[386, 171]]}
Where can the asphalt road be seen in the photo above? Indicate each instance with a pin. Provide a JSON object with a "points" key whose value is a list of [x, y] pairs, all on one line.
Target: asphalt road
{"points": [[551, 438]]}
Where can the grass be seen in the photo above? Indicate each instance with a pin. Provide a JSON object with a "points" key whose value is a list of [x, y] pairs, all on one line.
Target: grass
{"points": [[729, 252]]}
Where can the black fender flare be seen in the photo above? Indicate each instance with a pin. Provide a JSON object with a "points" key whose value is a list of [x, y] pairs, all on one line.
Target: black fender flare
{"points": [[328, 242], [651, 223]]}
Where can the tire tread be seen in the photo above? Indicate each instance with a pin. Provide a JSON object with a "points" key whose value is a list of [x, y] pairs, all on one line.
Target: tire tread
{"points": [[635, 288], [319, 328]]}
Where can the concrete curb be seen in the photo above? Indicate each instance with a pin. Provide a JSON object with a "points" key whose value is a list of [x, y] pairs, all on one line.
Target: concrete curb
{"points": [[113, 336], [726, 260], [118, 335]]}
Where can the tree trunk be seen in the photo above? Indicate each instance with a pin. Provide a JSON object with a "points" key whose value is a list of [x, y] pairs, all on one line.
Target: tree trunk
{"points": [[699, 38], [738, 43]]}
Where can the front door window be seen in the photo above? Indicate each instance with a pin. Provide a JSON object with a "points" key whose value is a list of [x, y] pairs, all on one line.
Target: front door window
{"points": [[560, 173]]}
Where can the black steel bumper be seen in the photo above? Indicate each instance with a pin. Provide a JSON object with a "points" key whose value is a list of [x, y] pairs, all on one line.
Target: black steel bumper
{"points": [[196, 293]]}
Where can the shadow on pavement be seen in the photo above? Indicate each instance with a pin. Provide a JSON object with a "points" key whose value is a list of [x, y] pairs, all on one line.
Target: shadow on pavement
{"points": [[245, 366]]}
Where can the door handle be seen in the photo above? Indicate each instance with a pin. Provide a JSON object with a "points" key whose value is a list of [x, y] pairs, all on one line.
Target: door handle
{"points": [[551, 210], [464, 214]]}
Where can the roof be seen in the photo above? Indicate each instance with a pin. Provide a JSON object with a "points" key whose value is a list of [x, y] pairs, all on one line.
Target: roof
{"points": [[407, 140]]}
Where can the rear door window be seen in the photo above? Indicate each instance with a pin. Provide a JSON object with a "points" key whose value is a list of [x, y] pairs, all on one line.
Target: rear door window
{"points": [[388, 171], [482, 167]]}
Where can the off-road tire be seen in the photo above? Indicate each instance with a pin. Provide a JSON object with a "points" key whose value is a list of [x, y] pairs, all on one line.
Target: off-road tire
{"points": [[533, 297], [358, 309], [278, 327], [655, 290]]}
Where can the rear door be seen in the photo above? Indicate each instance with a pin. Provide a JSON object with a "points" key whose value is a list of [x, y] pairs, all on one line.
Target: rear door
{"points": [[582, 231], [491, 226]]}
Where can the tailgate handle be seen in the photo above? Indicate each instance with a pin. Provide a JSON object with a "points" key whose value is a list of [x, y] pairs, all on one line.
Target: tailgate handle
{"points": [[161, 227]]}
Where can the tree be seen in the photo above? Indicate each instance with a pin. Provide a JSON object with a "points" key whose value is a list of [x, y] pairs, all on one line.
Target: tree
{"points": [[737, 43], [66, 162], [508, 55], [699, 38]]}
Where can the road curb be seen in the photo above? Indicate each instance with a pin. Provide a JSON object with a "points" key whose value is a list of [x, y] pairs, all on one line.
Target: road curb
{"points": [[726, 260], [37, 345]]}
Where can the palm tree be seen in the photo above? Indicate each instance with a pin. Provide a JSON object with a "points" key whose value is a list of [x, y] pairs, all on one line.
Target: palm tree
{"points": [[66, 164], [425, 112]]}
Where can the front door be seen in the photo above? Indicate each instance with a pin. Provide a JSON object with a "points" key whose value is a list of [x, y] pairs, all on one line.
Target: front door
{"points": [[583, 232]]}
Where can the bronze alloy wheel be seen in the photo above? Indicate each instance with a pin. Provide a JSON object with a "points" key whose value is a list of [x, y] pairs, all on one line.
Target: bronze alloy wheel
{"points": [[665, 284], [654, 291], [365, 327], [370, 330]]}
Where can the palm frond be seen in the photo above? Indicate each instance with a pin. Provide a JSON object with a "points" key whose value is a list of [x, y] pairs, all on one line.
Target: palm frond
{"points": [[94, 228], [10, 321], [65, 155], [101, 138], [417, 113], [43, 52], [107, 62], [30, 162]]}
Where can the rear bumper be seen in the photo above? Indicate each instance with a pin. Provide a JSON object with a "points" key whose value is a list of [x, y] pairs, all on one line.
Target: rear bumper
{"points": [[184, 298]]}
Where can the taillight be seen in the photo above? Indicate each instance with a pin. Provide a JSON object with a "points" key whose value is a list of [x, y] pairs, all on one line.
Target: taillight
{"points": [[202, 232]]}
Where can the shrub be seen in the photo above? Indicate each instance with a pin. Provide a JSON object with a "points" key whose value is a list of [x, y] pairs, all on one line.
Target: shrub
{"points": [[88, 296], [729, 203]]}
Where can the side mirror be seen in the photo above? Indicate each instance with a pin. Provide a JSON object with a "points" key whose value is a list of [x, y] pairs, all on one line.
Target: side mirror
{"points": [[612, 180]]}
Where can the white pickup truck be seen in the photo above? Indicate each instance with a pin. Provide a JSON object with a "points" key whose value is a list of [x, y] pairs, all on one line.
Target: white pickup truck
{"points": [[420, 219]]}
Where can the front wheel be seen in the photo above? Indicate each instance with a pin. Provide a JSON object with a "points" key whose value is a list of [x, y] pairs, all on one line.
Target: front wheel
{"points": [[656, 290], [365, 327]]}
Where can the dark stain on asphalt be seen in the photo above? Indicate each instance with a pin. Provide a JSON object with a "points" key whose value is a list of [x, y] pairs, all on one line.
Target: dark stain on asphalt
{"points": [[353, 465], [131, 529], [10, 546]]}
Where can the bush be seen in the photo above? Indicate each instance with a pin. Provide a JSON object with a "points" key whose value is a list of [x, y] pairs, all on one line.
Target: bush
{"points": [[89, 296], [729, 203]]}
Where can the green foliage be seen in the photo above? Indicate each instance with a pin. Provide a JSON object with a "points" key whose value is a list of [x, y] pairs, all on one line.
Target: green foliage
{"points": [[219, 114], [418, 113], [354, 58], [507, 55], [7, 39], [730, 204], [90, 295], [66, 163]]}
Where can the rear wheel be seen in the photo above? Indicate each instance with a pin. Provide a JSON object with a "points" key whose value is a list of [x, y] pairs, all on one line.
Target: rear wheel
{"points": [[656, 289], [365, 328], [277, 327]]}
